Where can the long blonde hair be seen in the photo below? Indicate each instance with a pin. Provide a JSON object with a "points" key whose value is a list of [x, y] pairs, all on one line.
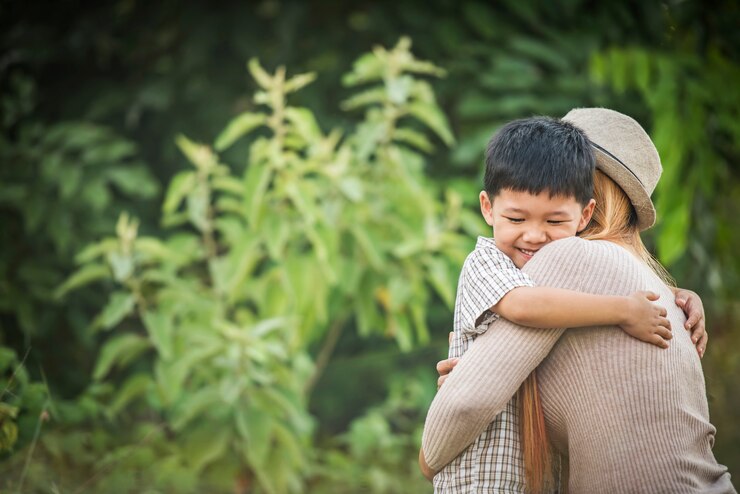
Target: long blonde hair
{"points": [[614, 219]]}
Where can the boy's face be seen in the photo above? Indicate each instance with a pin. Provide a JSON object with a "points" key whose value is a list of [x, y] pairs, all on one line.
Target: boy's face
{"points": [[523, 223]]}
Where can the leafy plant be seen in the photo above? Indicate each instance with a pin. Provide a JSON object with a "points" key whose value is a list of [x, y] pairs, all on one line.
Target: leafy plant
{"points": [[213, 328]]}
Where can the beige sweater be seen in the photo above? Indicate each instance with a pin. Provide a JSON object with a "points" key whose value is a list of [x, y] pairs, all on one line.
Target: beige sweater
{"points": [[630, 416]]}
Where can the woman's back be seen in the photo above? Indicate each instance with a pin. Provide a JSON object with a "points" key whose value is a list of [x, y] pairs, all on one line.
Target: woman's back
{"points": [[631, 416]]}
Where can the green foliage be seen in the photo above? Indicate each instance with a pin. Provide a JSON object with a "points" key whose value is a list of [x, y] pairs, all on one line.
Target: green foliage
{"points": [[142, 76], [321, 233], [59, 184], [381, 447], [22, 403]]}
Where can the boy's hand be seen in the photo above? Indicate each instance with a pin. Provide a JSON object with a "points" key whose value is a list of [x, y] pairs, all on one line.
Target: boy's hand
{"points": [[692, 306], [444, 367], [646, 321]]}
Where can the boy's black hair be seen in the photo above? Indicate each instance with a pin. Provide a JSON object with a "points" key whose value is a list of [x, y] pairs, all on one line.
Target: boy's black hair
{"points": [[540, 154]]}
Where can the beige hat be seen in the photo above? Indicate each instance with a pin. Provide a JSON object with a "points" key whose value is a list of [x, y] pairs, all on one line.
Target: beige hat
{"points": [[625, 153]]}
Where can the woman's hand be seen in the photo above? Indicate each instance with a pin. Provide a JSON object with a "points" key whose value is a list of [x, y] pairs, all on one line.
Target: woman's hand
{"points": [[443, 369], [425, 470], [692, 306], [445, 366]]}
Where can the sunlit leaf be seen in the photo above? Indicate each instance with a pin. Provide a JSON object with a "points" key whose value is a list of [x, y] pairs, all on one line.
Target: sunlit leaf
{"points": [[119, 351], [87, 274], [120, 305], [239, 127]]}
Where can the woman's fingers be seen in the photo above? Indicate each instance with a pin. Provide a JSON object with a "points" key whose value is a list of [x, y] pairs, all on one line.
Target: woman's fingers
{"points": [[440, 381], [445, 366], [701, 347]]}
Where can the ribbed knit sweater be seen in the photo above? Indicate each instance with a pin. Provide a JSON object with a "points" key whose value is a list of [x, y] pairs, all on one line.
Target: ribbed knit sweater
{"points": [[631, 417]]}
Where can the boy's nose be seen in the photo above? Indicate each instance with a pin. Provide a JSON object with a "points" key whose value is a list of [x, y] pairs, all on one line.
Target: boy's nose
{"points": [[534, 236]]}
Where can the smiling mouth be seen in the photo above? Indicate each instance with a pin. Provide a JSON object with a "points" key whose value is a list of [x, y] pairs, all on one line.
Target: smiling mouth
{"points": [[526, 252]]}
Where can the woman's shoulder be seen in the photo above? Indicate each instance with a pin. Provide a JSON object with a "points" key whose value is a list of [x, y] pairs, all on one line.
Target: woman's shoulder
{"points": [[566, 262], [580, 247]]}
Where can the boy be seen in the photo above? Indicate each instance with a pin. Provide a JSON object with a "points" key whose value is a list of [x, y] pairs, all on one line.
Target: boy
{"points": [[538, 188]]}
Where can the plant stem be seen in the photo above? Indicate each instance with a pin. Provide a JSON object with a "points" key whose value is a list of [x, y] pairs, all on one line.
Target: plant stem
{"points": [[322, 360]]}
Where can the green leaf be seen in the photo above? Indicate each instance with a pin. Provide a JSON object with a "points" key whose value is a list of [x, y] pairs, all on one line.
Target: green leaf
{"points": [[118, 351], [259, 74], [255, 425], [433, 118], [122, 265], [398, 89], [135, 386], [159, 327], [84, 276], [367, 68], [237, 128], [352, 188], [376, 95], [198, 154], [367, 246], [135, 181], [119, 306], [442, 280], [179, 188], [96, 250], [206, 444], [305, 124], [228, 184], [69, 182], [256, 181], [673, 238], [195, 405], [198, 204], [414, 138], [298, 82]]}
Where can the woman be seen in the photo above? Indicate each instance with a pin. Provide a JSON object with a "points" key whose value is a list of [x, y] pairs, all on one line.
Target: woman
{"points": [[631, 418]]}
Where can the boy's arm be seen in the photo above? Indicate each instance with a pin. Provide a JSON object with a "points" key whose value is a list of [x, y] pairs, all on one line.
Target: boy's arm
{"points": [[545, 307]]}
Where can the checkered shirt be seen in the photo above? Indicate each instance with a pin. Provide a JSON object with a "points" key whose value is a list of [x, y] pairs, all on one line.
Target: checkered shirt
{"points": [[493, 463]]}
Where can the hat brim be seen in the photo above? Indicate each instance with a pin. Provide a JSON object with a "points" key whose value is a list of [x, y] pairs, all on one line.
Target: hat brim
{"points": [[631, 186]]}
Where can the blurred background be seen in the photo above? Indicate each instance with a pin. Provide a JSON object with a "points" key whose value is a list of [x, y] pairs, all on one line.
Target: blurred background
{"points": [[231, 233]]}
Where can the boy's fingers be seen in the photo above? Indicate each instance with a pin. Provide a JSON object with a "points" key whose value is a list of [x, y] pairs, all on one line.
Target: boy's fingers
{"points": [[664, 333], [663, 322], [663, 312], [652, 296], [659, 341]]}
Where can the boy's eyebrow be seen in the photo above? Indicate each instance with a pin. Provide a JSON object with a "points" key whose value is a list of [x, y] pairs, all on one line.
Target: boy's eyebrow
{"points": [[557, 212]]}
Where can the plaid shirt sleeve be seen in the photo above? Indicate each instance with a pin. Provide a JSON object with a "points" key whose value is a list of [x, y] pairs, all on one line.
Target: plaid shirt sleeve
{"points": [[487, 275]]}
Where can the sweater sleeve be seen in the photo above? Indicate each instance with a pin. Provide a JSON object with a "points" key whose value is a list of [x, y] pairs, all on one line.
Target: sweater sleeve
{"points": [[491, 371]]}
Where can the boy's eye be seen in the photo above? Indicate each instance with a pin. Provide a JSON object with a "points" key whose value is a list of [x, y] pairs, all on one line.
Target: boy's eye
{"points": [[514, 220], [556, 222]]}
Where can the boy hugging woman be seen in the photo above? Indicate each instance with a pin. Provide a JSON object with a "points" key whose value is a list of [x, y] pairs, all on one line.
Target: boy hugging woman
{"points": [[539, 188]]}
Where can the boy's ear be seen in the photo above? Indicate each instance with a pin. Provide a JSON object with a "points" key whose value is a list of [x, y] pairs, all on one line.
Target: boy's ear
{"points": [[486, 207], [586, 214]]}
